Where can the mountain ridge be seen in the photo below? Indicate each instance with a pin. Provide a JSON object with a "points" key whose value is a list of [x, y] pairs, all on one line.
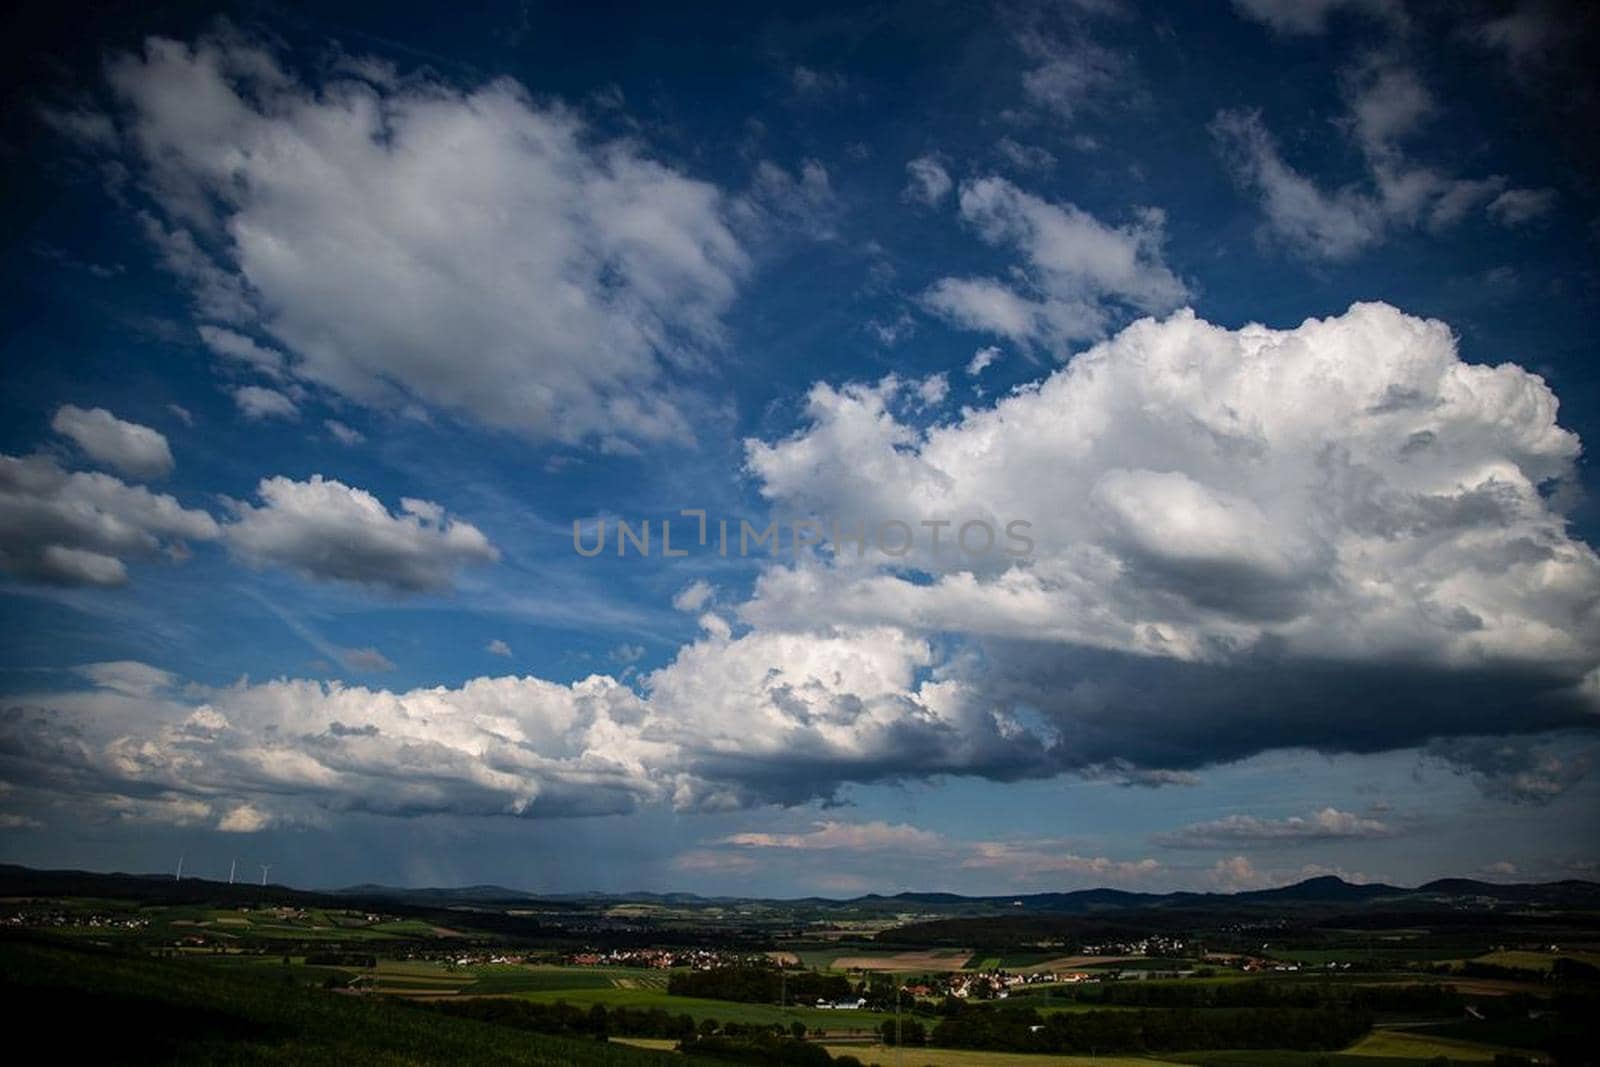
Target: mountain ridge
{"points": [[1326, 889]]}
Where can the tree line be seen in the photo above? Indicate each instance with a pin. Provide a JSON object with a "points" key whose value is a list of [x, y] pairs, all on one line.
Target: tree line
{"points": [[759, 985], [1430, 997]]}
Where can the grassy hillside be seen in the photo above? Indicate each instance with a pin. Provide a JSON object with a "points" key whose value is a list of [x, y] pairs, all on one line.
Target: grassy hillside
{"points": [[136, 1010]]}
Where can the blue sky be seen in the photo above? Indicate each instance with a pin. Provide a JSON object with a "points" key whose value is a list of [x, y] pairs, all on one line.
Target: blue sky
{"points": [[1273, 321]]}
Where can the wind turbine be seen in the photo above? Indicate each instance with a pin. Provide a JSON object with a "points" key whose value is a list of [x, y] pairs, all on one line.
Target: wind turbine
{"points": [[265, 867]]}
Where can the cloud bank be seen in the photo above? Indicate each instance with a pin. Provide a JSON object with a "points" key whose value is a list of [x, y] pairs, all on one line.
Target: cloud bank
{"points": [[1250, 831], [1338, 537]]}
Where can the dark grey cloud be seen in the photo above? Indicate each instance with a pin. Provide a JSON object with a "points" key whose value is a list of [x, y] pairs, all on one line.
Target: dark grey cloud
{"points": [[1177, 715], [1525, 770]]}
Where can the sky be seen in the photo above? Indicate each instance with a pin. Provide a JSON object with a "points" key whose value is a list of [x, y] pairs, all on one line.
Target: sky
{"points": [[1171, 419]]}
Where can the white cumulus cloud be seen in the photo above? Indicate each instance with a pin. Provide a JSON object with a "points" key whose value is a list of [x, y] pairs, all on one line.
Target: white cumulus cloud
{"points": [[127, 447], [405, 240], [80, 527], [324, 529]]}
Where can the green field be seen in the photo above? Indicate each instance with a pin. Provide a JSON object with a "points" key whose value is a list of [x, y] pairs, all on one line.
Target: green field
{"points": [[1402, 1045], [1536, 961], [142, 1010], [435, 978], [1021, 961], [498, 981], [722, 1010]]}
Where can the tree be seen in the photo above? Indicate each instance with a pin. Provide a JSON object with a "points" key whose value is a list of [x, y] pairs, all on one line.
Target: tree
{"points": [[911, 1030]]}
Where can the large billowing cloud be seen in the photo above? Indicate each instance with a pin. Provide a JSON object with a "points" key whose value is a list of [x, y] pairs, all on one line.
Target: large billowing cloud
{"points": [[788, 715], [517, 746], [729, 724], [1348, 490], [402, 240], [1338, 536]]}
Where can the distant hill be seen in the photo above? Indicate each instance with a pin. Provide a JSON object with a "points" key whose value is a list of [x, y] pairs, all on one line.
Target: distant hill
{"points": [[1327, 892], [1326, 889]]}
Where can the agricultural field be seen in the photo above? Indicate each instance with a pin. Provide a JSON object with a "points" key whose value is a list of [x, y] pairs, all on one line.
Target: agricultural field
{"points": [[922, 962], [1033, 962], [1400, 1044], [822, 957], [1535, 961]]}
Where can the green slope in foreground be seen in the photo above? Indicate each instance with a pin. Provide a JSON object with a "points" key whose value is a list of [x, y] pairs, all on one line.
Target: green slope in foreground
{"points": [[96, 1006]]}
